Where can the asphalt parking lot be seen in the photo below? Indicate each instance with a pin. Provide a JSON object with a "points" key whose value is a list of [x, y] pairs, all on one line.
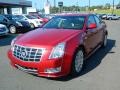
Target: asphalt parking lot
{"points": [[101, 72]]}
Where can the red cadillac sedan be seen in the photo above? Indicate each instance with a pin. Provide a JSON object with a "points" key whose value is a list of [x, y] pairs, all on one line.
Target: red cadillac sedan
{"points": [[60, 47]]}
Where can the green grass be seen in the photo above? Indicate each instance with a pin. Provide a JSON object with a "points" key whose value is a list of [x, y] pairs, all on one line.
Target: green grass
{"points": [[108, 11]]}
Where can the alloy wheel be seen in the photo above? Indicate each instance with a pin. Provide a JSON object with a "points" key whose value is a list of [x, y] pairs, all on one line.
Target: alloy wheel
{"points": [[12, 29]]}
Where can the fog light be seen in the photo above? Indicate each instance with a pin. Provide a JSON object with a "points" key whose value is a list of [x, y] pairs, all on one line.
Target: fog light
{"points": [[53, 70]]}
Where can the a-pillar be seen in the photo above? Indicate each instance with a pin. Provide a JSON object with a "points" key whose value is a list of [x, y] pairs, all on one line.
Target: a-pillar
{"points": [[24, 10]]}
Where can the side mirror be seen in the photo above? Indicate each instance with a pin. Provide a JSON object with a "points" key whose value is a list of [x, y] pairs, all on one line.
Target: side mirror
{"points": [[92, 26]]}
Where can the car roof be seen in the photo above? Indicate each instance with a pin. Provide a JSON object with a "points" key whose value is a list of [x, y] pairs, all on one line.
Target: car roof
{"points": [[75, 14]]}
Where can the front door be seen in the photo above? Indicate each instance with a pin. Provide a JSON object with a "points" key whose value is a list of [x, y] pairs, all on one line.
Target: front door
{"points": [[90, 40]]}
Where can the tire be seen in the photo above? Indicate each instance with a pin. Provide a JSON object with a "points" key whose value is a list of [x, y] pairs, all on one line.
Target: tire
{"points": [[32, 25], [78, 62], [104, 44], [110, 18], [12, 29]]}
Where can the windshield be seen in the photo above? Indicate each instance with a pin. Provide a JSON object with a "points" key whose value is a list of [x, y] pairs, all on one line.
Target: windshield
{"points": [[30, 17], [9, 17], [66, 22]]}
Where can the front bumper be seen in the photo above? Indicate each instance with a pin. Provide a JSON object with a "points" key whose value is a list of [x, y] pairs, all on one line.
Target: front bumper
{"points": [[39, 68], [37, 25]]}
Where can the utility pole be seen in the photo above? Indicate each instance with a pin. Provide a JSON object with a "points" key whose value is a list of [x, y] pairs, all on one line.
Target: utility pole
{"points": [[54, 3], [89, 6], [77, 9], [113, 6]]}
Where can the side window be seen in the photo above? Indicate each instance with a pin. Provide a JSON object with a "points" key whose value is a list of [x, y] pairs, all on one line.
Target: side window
{"points": [[1, 18], [98, 21], [90, 20]]}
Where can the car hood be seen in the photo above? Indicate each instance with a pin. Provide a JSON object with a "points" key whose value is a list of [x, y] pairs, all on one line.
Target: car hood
{"points": [[46, 37], [23, 22], [32, 20], [37, 20]]}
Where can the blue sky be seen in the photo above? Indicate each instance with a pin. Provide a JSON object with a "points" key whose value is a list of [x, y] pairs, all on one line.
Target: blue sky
{"points": [[40, 3]]}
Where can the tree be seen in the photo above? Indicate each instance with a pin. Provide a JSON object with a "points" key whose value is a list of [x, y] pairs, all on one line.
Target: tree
{"points": [[107, 6], [54, 9], [118, 6]]}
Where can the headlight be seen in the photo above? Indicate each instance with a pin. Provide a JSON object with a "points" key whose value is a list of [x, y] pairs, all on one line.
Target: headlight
{"points": [[19, 24], [12, 44], [58, 51]]}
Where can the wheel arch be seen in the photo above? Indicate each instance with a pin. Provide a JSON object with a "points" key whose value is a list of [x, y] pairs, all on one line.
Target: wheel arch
{"points": [[10, 25], [83, 48], [73, 57]]}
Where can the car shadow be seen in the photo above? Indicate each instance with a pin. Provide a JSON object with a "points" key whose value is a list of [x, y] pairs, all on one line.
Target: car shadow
{"points": [[6, 40], [92, 62]]}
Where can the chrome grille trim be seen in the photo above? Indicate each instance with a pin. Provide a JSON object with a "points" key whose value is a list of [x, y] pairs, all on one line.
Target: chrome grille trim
{"points": [[28, 54]]}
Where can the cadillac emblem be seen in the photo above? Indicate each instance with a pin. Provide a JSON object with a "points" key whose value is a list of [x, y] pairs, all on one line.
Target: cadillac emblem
{"points": [[24, 54]]}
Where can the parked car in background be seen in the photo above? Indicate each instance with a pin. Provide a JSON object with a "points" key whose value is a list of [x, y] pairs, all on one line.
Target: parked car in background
{"points": [[50, 16], [112, 17], [3, 30], [103, 16], [14, 24], [34, 22], [60, 46], [41, 17], [100, 15]]}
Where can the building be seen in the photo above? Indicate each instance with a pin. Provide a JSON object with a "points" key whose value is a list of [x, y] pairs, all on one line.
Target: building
{"points": [[14, 6], [31, 10]]}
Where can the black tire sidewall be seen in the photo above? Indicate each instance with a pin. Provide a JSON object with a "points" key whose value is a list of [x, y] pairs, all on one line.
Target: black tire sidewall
{"points": [[103, 45], [73, 70], [110, 18]]}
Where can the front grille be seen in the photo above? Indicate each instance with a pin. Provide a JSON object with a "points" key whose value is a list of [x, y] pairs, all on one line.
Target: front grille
{"points": [[27, 53]]}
